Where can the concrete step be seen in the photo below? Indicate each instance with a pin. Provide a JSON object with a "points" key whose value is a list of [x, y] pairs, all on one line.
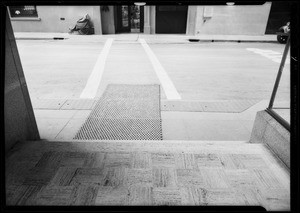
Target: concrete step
{"points": [[145, 173], [142, 145]]}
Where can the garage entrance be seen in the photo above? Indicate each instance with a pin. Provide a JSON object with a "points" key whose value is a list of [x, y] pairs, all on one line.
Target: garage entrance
{"points": [[171, 19]]}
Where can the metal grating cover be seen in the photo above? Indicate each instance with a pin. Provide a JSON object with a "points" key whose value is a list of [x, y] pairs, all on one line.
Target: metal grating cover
{"points": [[79, 104], [232, 106], [125, 112]]}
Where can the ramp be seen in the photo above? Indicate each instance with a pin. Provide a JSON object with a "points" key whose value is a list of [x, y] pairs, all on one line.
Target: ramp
{"points": [[125, 112]]}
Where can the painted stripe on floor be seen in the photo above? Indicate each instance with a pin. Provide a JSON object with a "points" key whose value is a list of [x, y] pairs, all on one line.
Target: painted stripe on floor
{"points": [[93, 82], [162, 75], [270, 54]]}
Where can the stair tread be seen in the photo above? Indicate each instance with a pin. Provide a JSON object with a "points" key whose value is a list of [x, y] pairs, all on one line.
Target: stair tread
{"points": [[150, 146]]}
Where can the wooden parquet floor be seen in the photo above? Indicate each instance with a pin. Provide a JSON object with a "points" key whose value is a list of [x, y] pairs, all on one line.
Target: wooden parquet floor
{"points": [[146, 173]]}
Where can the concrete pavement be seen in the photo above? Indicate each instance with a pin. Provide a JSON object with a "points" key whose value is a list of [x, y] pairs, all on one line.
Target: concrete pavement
{"points": [[57, 120], [73, 59]]}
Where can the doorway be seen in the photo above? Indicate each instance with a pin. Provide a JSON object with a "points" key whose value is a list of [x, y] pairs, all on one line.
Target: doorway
{"points": [[129, 19], [279, 15], [171, 19]]}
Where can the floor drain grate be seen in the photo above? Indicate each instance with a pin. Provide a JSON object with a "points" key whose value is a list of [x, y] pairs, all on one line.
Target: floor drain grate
{"points": [[125, 112]]}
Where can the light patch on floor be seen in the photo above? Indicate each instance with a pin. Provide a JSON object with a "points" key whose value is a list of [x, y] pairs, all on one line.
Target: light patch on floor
{"points": [[273, 55]]}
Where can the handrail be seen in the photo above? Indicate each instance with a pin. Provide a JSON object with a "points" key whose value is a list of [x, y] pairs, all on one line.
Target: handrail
{"points": [[275, 88], [286, 49]]}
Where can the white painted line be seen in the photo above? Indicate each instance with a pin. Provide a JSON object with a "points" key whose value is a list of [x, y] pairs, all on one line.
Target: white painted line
{"points": [[93, 82], [162, 75], [270, 54]]}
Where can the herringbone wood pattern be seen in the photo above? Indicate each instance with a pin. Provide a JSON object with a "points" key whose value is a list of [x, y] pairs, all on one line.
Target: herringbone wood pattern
{"points": [[145, 173]]}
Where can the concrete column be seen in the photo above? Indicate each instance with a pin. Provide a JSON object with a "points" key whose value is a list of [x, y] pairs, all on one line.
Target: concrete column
{"points": [[97, 20], [191, 20], [152, 19], [147, 19], [108, 21]]}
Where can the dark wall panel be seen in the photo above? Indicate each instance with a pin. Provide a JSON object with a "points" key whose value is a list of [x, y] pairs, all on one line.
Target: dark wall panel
{"points": [[19, 120], [171, 19], [280, 14]]}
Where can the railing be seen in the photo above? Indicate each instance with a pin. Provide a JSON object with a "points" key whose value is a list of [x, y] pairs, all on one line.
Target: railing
{"points": [[271, 108]]}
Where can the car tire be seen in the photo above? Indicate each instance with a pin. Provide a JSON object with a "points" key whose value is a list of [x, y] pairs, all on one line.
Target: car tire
{"points": [[282, 39]]}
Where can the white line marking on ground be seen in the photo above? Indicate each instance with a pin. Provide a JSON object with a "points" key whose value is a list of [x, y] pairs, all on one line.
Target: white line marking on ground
{"points": [[93, 82], [162, 75], [274, 56]]}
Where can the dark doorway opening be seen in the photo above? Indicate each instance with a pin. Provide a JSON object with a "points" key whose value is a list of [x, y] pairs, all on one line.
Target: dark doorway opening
{"points": [[171, 19], [129, 18], [279, 16]]}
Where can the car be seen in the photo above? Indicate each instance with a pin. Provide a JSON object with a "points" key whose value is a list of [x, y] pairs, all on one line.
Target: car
{"points": [[283, 33]]}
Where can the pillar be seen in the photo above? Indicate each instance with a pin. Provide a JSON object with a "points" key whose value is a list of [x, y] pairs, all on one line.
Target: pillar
{"points": [[147, 19]]}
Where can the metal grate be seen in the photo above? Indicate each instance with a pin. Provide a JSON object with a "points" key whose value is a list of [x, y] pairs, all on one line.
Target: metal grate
{"points": [[125, 112], [234, 106], [48, 103], [79, 104]]}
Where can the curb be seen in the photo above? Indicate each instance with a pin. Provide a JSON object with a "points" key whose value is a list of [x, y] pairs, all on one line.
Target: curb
{"points": [[34, 38], [184, 41], [238, 41]]}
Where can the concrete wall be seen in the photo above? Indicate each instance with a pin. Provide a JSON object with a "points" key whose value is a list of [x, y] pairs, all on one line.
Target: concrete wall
{"points": [[268, 131], [228, 20], [107, 21], [49, 19], [19, 118]]}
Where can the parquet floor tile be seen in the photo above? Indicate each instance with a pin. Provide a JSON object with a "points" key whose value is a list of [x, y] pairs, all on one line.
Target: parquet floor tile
{"points": [[101, 173]]}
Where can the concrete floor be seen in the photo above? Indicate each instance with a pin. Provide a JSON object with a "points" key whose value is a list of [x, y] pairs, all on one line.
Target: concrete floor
{"points": [[57, 69], [221, 71], [199, 71]]}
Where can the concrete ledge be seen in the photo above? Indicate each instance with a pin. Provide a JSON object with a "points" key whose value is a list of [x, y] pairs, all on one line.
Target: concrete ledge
{"points": [[267, 130], [26, 19]]}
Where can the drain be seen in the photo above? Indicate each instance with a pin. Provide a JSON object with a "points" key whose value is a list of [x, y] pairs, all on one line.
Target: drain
{"points": [[125, 112]]}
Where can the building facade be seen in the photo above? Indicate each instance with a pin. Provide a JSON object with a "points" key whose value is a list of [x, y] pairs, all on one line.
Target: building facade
{"points": [[171, 19]]}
